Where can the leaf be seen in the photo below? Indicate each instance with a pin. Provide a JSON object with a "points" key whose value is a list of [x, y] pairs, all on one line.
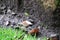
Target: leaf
{"points": [[26, 14]]}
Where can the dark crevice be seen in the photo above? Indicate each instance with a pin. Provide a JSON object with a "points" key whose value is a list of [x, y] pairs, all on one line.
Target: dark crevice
{"points": [[56, 17], [20, 4]]}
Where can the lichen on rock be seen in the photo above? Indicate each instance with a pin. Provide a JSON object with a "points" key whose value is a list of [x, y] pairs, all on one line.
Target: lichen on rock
{"points": [[49, 3]]}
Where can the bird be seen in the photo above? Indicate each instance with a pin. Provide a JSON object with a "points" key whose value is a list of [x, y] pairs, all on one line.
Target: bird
{"points": [[33, 31]]}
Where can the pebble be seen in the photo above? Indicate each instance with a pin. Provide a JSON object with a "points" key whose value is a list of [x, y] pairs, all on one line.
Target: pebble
{"points": [[2, 7], [13, 13], [54, 37], [32, 21], [8, 11], [7, 23]]}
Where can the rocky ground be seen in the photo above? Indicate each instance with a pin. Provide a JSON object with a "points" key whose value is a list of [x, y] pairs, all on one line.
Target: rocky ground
{"points": [[28, 22]]}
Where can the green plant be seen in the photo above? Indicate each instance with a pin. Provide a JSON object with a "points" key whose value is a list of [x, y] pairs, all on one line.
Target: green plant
{"points": [[13, 34], [29, 37], [57, 2], [10, 34], [43, 38], [26, 14]]}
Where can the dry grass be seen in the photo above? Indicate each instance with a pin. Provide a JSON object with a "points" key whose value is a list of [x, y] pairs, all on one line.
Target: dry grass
{"points": [[49, 4]]}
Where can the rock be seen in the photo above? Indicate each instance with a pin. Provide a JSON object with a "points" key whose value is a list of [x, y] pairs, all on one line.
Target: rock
{"points": [[8, 11], [19, 16], [7, 23], [13, 13], [3, 12], [23, 28], [1, 16], [13, 24], [2, 7], [54, 37], [32, 21], [29, 28], [5, 18], [1, 22], [26, 23]]}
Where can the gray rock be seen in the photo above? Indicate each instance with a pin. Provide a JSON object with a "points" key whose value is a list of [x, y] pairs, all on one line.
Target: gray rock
{"points": [[6, 23], [13, 13], [14, 20], [1, 22], [6, 18], [53, 35], [8, 11], [1, 17], [2, 7]]}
